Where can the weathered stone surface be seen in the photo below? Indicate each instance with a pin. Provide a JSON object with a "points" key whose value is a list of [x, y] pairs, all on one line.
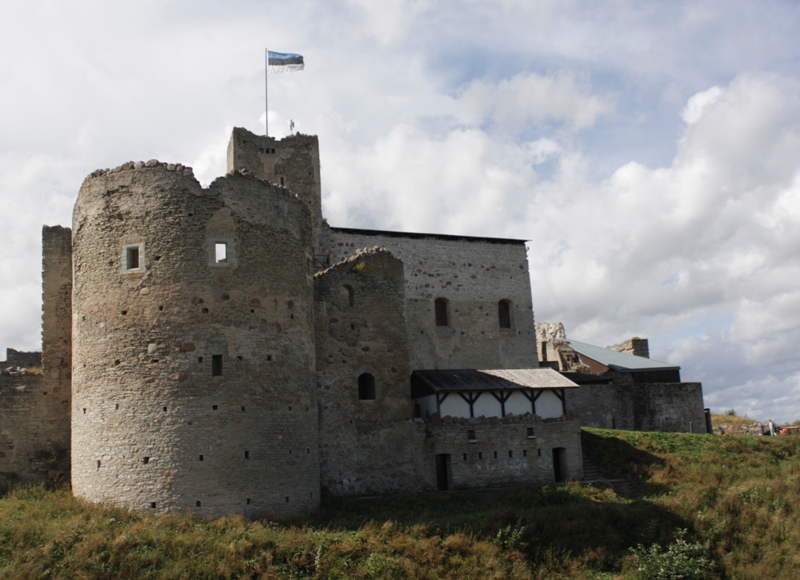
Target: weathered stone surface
{"points": [[251, 404]]}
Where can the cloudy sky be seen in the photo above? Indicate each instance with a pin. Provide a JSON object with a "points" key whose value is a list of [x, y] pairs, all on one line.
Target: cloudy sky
{"points": [[650, 151]]}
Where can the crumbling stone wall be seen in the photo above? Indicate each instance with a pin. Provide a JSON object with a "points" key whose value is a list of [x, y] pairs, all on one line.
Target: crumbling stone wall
{"points": [[639, 407], [508, 451], [20, 359], [193, 382], [366, 446], [25, 451], [472, 275], [635, 346]]}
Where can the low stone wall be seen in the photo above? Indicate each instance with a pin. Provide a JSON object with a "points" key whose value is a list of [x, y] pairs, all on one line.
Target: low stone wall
{"points": [[676, 407], [507, 453], [28, 450]]}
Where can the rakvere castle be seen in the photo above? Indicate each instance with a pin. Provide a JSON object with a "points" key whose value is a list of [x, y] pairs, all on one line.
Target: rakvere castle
{"points": [[225, 350]]}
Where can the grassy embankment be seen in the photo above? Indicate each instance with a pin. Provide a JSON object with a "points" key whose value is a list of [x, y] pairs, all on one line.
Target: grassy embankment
{"points": [[737, 497]]}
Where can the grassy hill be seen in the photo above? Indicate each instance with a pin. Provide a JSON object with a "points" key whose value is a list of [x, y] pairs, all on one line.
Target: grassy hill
{"points": [[737, 498]]}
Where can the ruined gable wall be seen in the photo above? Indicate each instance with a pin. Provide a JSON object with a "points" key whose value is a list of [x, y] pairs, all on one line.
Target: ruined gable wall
{"points": [[366, 446], [151, 424], [473, 276]]}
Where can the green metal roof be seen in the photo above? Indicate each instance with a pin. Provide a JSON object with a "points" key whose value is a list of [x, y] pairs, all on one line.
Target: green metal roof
{"points": [[619, 360]]}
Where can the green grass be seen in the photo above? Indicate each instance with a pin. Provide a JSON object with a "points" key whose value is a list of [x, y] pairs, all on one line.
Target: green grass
{"points": [[738, 498]]}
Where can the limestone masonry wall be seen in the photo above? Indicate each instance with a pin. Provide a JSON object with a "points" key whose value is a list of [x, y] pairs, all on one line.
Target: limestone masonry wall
{"points": [[291, 162], [17, 358], [640, 407], [368, 444], [472, 275], [193, 387], [57, 334], [508, 452]]}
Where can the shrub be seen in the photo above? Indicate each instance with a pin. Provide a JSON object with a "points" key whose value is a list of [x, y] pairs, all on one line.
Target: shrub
{"points": [[730, 413], [680, 561]]}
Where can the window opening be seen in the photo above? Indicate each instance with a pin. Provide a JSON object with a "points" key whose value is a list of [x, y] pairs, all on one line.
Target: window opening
{"points": [[471, 436], [200, 458], [146, 460], [220, 252], [216, 365], [347, 297], [247, 455], [366, 387], [504, 313], [197, 503], [531, 434], [440, 307], [132, 258]]}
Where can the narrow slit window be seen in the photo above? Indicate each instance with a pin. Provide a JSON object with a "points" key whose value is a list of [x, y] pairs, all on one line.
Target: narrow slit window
{"points": [[220, 252], [504, 313], [440, 308], [366, 387], [216, 365]]}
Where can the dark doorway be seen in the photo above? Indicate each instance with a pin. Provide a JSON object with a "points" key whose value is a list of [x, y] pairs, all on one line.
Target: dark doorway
{"points": [[560, 464], [443, 472]]}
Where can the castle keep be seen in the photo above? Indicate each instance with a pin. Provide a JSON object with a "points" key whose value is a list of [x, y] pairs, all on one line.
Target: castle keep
{"points": [[225, 350]]}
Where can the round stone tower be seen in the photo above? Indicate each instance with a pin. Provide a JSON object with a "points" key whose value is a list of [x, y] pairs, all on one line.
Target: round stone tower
{"points": [[193, 355]]}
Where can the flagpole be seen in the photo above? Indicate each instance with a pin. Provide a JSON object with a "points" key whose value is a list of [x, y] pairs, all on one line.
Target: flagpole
{"points": [[266, 93]]}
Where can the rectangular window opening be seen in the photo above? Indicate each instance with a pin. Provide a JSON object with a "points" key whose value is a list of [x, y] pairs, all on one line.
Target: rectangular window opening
{"points": [[146, 460], [132, 258], [471, 436], [197, 503], [531, 434], [247, 455], [510, 454], [465, 457], [216, 365], [220, 252], [199, 458]]}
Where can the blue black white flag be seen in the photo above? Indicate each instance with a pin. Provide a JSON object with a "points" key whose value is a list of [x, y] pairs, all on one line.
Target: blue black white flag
{"points": [[284, 61]]}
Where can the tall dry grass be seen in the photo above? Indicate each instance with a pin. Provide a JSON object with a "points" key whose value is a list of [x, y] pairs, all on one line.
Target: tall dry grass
{"points": [[738, 498]]}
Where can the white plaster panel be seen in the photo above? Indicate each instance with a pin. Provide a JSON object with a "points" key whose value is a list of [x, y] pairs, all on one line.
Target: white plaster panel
{"points": [[487, 406], [518, 404], [427, 405], [454, 406], [548, 405]]}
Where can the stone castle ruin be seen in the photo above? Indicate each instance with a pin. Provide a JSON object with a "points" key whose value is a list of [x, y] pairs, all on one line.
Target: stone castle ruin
{"points": [[225, 350]]}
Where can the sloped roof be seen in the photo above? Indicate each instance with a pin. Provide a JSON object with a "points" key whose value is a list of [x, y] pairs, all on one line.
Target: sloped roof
{"points": [[619, 361], [492, 379]]}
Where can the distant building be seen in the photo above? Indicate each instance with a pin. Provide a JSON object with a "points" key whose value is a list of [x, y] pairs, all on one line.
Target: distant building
{"points": [[620, 389]]}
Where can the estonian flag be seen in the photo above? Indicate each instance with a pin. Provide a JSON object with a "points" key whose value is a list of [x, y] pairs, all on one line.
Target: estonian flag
{"points": [[284, 61]]}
